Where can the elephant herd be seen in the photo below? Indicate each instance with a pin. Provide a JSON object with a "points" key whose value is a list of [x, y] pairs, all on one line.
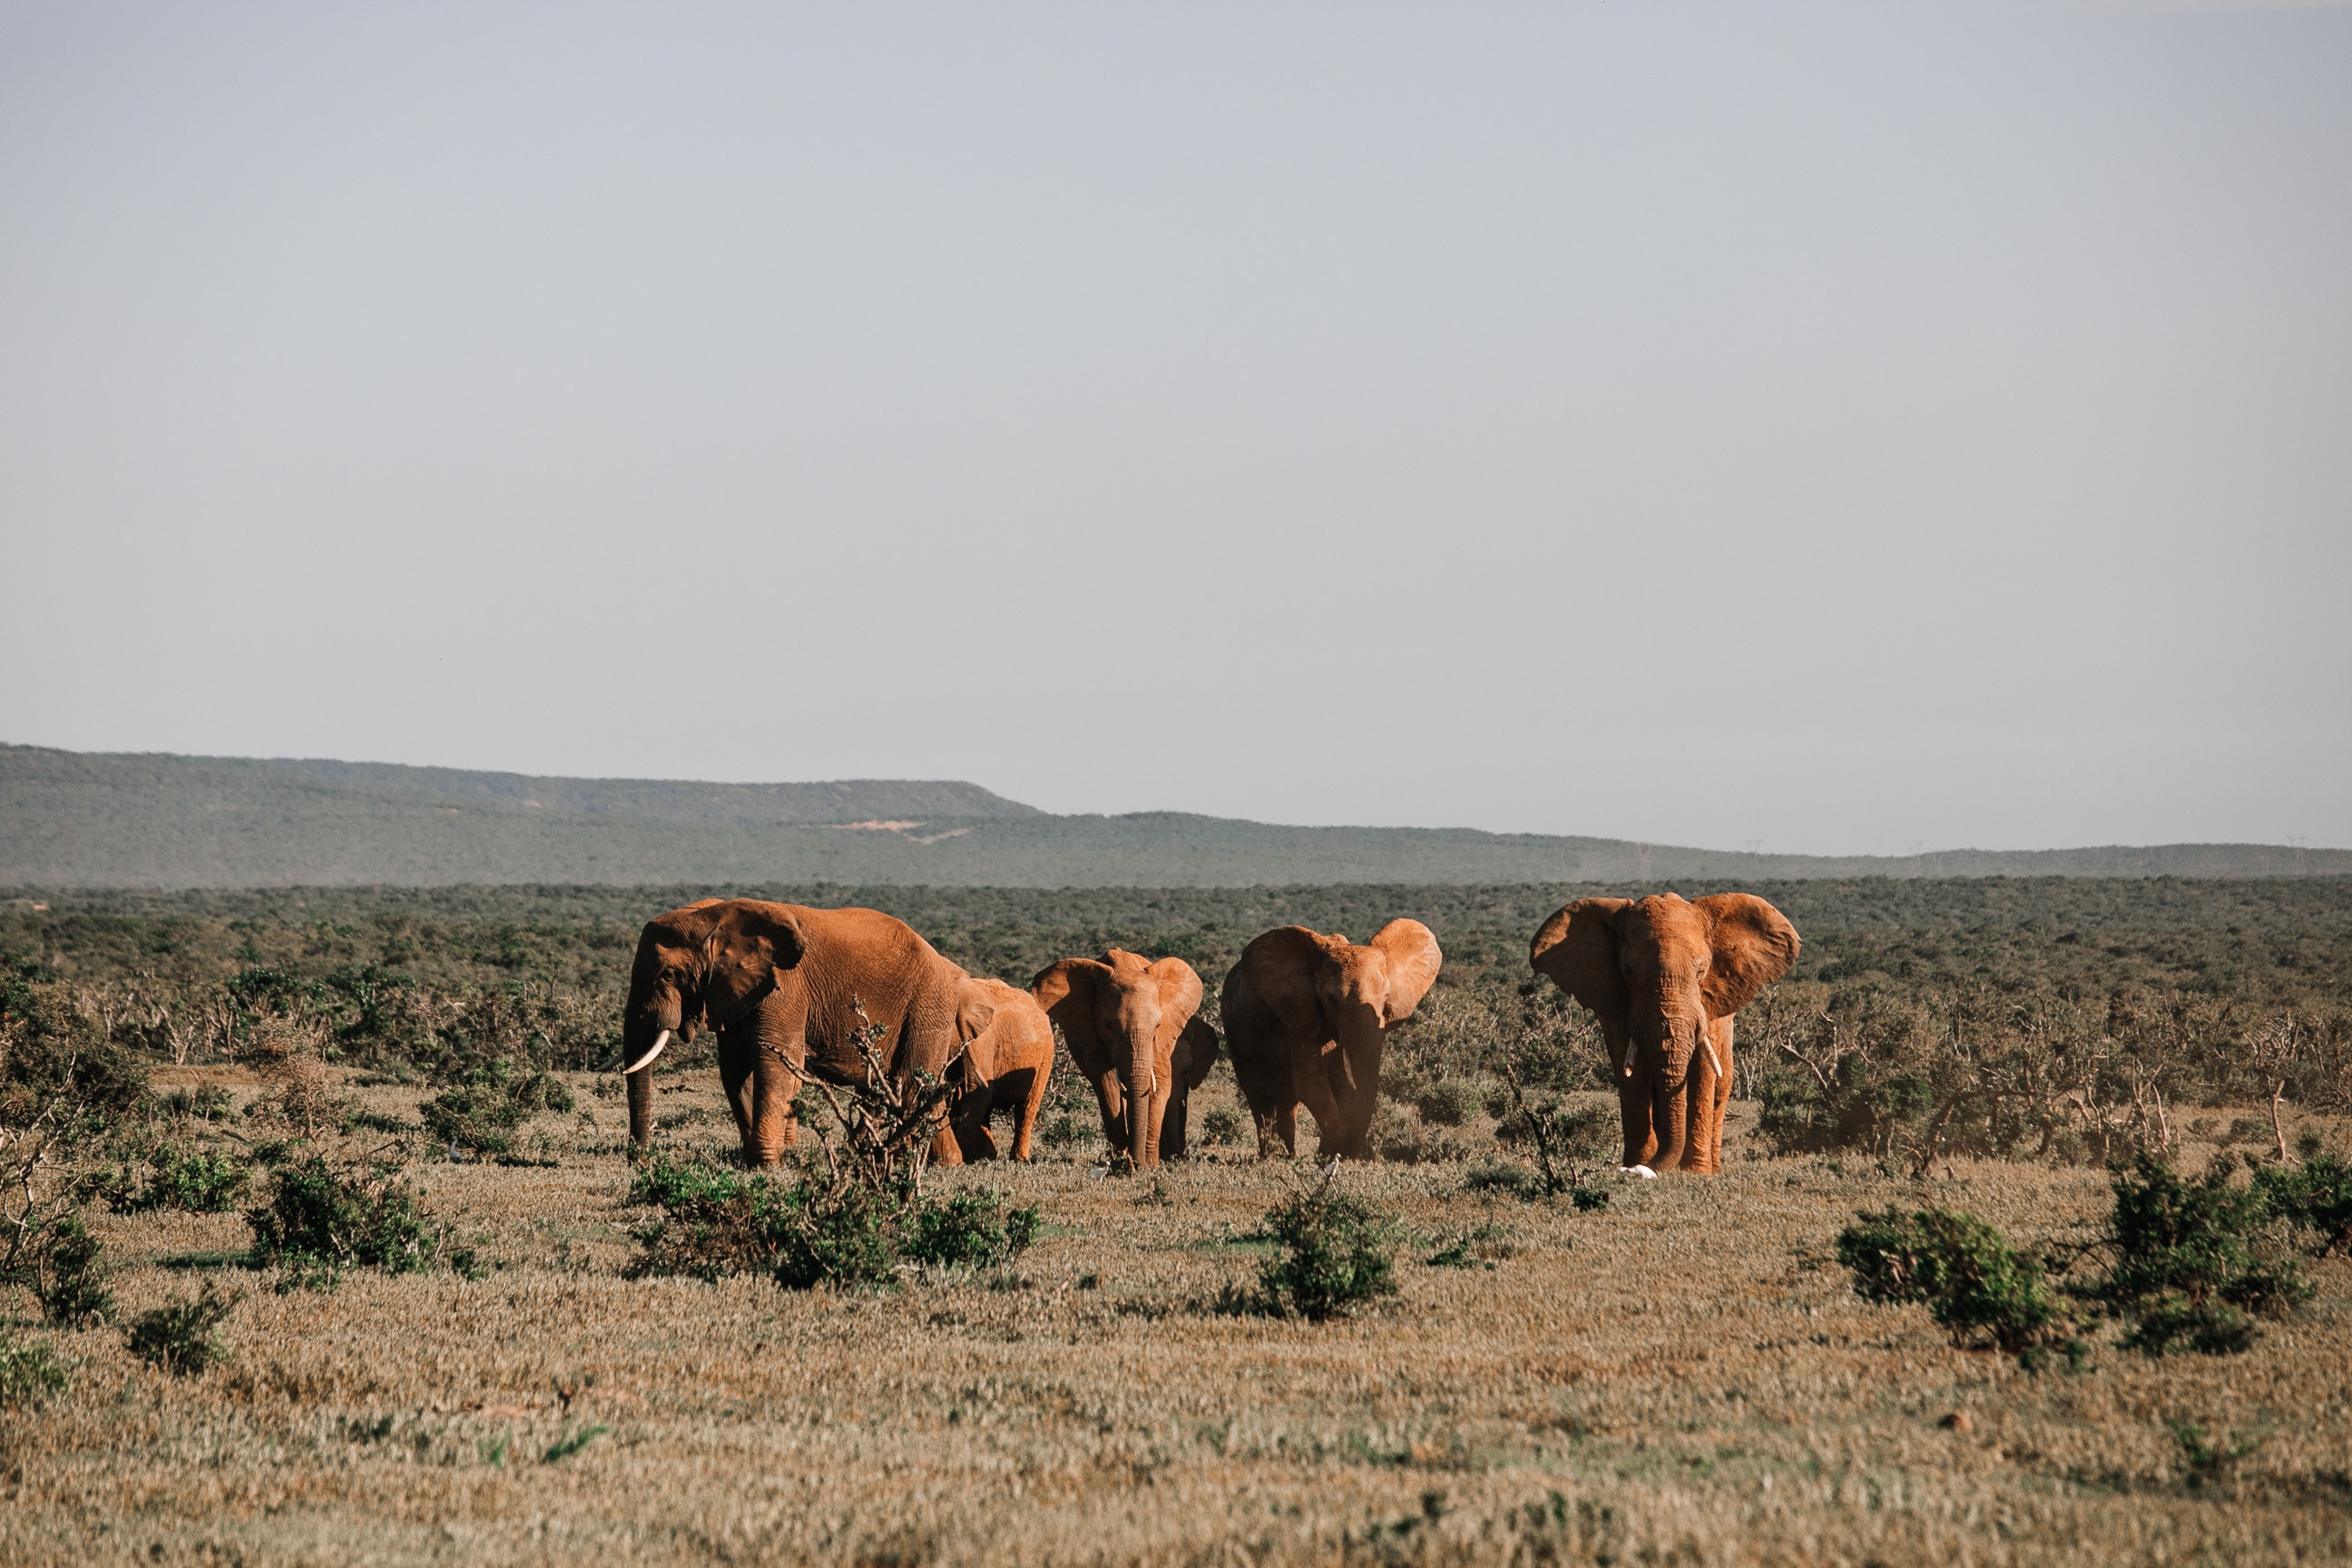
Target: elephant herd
{"points": [[795, 993]]}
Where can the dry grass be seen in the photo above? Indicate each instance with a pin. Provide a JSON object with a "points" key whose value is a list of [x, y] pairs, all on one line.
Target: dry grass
{"points": [[1680, 1377]]}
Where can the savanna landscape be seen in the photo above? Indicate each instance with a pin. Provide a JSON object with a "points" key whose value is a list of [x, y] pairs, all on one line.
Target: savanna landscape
{"points": [[327, 1244]]}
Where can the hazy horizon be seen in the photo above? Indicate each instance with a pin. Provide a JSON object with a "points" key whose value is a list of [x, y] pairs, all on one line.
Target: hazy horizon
{"points": [[1823, 429]]}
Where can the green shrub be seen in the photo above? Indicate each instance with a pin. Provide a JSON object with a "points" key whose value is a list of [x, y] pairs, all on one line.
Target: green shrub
{"points": [[2317, 1196], [1449, 1102], [1336, 1252], [1867, 1107], [728, 1228], [320, 1220], [970, 1230], [718, 1224], [180, 1338], [195, 1180], [60, 1267], [1220, 1126], [2182, 1267], [1975, 1285], [679, 1184], [30, 1375], [842, 1235], [480, 1110], [206, 1103]]}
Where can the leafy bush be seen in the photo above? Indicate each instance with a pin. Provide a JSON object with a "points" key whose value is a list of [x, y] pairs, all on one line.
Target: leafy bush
{"points": [[2317, 1197], [57, 1261], [205, 1102], [729, 1226], [2182, 1266], [195, 1180], [1974, 1284], [842, 1234], [679, 1184], [1220, 1126], [480, 1109], [970, 1230], [180, 1338], [1865, 1106], [1336, 1252], [30, 1375], [1449, 1102], [320, 1220], [812, 1232]]}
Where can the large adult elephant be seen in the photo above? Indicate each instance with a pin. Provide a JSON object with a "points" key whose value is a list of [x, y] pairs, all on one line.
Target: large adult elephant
{"points": [[787, 988], [1008, 1059], [1665, 975], [1135, 1033], [1306, 1016]]}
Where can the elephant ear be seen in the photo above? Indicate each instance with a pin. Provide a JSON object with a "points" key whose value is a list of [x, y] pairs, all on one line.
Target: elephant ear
{"points": [[1754, 945], [773, 930], [1577, 948], [1280, 966], [975, 1013], [749, 942], [1413, 962], [1196, 1052], [1179, 1000], [1066, 992]]}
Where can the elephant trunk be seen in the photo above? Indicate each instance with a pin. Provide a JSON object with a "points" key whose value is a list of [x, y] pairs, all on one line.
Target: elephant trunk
{"points": [[1144, 1092], [641, 1108], [1670, 1116], [1357, 1083], [645, 1032]]}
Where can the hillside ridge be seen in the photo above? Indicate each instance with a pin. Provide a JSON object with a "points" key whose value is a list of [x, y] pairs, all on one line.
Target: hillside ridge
{"points": [[74, 819]]}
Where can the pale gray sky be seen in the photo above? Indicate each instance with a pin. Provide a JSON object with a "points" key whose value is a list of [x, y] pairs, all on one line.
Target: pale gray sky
{"points": [[1831, 426]]}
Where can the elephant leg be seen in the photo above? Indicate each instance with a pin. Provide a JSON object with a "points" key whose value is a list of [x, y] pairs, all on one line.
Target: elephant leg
{"points": [[1714, 1097], [1638, 1124], [1024, 1123], [736, 1049], [1315, 1093], [770, 1129], [1278, 1129], [1171, 1127], [1113, 1103]]}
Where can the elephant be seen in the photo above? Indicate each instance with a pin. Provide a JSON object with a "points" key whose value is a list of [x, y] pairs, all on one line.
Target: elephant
{"points": [[1306, 1016], [1135, 1033], [1665, 975], [788, 989], [1008, 1057]]}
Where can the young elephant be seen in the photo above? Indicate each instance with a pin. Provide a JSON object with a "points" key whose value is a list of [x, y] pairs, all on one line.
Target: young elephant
{"points": [[1306, 1015], [1665, 976], [1008, 1056], [1133, 1032]]}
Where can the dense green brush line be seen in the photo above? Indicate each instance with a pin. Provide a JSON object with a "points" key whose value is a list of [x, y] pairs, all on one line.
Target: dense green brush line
{"points": [[2135, 903]]}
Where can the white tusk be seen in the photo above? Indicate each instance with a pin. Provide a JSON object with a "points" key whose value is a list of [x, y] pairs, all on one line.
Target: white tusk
{"points": [[1711, 1060], [645, 1061]]}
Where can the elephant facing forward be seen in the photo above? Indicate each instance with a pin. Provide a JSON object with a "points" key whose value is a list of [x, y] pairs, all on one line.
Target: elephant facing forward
{"points": [[1134, 1032], [1306, 1018], [788, 989], [1663, 976], [1008, 1057]]}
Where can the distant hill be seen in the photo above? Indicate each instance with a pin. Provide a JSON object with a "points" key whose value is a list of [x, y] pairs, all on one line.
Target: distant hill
{"points": [[72, 819]]}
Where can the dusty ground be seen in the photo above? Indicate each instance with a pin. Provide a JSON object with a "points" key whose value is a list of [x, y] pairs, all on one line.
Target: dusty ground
{"points": [[1682, 1377]]}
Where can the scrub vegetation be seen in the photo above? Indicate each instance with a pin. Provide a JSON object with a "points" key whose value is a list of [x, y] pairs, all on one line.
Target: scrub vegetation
{"points": [[318, 1243]]}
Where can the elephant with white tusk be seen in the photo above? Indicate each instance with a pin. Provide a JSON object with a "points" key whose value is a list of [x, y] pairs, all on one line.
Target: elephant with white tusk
{"points": [[1664, 975], [788, 989]]}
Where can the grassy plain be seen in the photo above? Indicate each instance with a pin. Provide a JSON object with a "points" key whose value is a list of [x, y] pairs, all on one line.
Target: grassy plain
{"points": [[1683, 1376]]}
